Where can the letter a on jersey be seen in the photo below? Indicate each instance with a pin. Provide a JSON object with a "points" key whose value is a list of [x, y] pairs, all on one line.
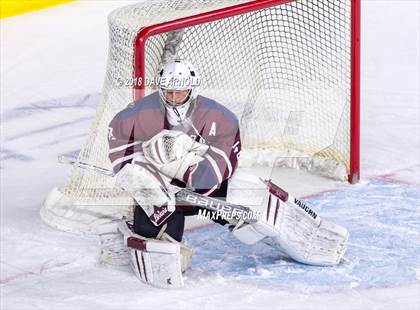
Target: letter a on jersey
{"points": [[212, 129]]}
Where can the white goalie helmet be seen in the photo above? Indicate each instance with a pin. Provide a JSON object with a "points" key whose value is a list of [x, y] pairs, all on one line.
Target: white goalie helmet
{"points": [[178, 86]]}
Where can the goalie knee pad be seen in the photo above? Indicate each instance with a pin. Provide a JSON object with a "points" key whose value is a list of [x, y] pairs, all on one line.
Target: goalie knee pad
{"points": [[268, 224]]}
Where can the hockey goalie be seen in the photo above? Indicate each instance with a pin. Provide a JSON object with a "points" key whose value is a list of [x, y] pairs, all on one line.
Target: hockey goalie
{"points": [[175, 138]]}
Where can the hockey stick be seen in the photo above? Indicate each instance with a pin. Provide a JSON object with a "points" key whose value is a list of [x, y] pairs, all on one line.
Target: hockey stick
{"points": [[222, 209]]}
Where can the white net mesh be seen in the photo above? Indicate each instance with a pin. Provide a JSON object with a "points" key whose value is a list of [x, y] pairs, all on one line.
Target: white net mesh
{"points": [[284, 71]]}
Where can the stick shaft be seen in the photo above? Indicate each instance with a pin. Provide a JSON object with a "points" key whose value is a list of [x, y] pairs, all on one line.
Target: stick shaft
{"points": [[183, 196], [65, 160]]}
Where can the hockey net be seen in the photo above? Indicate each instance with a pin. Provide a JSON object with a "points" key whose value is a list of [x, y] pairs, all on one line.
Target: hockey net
{"points": [[287, 69]]}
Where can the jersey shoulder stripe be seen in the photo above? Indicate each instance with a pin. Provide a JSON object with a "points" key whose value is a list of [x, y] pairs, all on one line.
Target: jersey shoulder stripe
{"points": [[150, 102], [210, 104]]}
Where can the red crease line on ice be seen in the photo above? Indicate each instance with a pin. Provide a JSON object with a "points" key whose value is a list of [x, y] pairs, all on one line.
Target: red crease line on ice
{"points": [[31, 273]]}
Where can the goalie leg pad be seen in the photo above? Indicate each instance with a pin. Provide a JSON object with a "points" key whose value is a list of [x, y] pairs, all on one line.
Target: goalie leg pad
{"points": [[312, 243], [299, 231], [159, 263], [158, 269], [248, 234]]}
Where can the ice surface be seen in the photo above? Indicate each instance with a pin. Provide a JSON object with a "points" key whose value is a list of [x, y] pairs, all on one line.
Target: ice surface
{"points": [[383, 250], [52, 70]]}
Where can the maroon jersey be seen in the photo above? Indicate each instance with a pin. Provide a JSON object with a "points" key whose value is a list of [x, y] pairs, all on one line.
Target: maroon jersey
{"points": [[211, 123]]}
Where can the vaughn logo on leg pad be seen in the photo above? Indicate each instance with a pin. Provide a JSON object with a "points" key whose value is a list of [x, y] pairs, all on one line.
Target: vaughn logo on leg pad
{"points": [[304, 207]]}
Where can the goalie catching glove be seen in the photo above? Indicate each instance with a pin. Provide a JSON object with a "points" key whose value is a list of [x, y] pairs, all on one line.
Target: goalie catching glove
{"points": [[173, 152], [299, 231], [159, 262]]}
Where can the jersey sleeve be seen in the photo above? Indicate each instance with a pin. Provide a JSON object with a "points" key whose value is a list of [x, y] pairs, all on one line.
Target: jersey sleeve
{"points": [[125, 145], [219, 162]]}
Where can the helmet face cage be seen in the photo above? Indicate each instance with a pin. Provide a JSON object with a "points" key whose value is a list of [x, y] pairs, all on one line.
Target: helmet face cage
{"points": [[173, 97]]}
